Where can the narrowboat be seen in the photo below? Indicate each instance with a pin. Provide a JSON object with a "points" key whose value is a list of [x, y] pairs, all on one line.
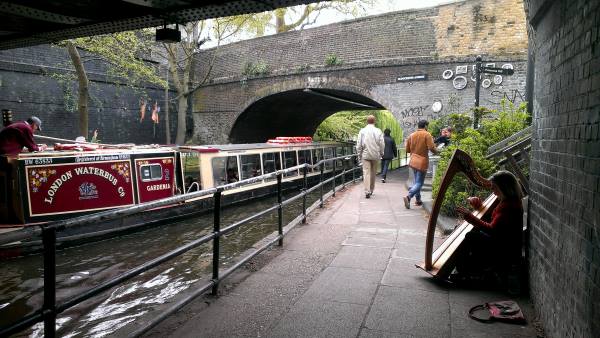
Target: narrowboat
{"points": [[73, 180]]}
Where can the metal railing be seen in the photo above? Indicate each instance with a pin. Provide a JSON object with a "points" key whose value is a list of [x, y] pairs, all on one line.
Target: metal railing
{"points": [[51, 308]]}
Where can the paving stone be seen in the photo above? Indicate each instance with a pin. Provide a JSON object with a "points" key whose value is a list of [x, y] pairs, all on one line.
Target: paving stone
{"points": [[362, 258], [406, 311], [403, 273], [371, 237], [321, 319], [344, 285]]}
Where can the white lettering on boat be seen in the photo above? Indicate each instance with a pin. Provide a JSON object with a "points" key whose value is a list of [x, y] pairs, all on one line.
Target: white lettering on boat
{"points": [[79, 171], [156, 187], [56, 184]]}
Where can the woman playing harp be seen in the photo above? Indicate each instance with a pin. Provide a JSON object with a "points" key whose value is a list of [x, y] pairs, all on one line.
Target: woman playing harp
{"points": [[493, 246], [441, 262]]}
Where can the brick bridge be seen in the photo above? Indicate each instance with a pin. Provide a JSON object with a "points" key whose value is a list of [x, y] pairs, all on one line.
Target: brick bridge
{"points": [[294, 80]]}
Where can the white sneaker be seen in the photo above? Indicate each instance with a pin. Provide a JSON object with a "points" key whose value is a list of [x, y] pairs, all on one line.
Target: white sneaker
{"points": [[383, 180]]}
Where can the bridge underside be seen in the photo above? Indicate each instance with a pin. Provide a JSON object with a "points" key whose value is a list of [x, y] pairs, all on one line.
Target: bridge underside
{"points": [[294, 113]]}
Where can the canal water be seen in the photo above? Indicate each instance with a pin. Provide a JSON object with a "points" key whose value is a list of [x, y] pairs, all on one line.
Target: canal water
{"points": [[80, 268]]}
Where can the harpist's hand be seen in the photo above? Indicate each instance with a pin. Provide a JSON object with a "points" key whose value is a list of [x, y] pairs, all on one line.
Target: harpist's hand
{"points": [[463, 211]]}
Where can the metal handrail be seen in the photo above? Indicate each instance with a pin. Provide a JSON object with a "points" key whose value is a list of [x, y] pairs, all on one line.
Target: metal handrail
{"points": [[51, 309]]}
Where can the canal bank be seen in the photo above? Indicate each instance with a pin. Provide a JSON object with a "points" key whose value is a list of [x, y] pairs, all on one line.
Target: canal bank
{"points": [[349, 272]]}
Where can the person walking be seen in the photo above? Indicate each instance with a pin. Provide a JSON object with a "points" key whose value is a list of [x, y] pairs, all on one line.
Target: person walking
{"points": [[418, 144], [389, 153], [369, 147], [17, 135]]}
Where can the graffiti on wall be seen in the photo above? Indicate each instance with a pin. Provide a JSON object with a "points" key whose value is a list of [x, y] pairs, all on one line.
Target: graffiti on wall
{"points": [[413, 111], [410, 116], [514, 96]]}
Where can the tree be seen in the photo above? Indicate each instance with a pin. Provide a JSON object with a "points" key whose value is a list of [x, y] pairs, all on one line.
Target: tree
{"points": [[122, 53], [289, 18], [180, 57]]}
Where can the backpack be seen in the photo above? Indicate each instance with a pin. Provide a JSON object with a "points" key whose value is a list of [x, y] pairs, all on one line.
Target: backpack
{"points": [[506, 311]]}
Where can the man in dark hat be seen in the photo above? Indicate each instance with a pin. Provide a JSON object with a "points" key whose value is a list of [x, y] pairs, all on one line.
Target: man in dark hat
{"points": [[18, 135]]}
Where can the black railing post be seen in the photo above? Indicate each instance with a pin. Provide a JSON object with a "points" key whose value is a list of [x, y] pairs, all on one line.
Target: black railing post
{"points": [[216, 240], [344, 176], [333, 185], [279, 210], [354, 170], [304, 187], [321, 168], [49, 308]]}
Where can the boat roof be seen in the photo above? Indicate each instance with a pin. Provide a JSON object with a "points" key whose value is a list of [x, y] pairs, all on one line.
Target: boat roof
{"points": [[250, 146], [100, 151]]}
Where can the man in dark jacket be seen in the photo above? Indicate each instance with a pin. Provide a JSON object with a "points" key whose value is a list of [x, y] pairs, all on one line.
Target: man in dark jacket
{"points": [[18, 135], [389, 153]]}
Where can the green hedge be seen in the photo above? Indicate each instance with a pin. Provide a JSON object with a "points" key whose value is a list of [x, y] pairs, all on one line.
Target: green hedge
{"points": [[494, 127]]}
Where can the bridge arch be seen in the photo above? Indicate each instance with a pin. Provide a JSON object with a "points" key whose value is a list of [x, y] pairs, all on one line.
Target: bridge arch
{"points": [[293, 108]]}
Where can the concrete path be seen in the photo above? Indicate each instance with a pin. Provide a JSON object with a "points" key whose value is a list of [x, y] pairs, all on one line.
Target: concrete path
{"points": [[350, 272]]}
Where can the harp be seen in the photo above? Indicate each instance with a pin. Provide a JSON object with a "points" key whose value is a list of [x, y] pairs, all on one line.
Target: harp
{"points": [[439, 263]]}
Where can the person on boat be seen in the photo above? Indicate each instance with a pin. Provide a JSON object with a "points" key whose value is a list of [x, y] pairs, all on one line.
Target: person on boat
{"points": [[232, 175], [418, 144], [389, 153], [495, 245], [369, 147], [19, 135]]}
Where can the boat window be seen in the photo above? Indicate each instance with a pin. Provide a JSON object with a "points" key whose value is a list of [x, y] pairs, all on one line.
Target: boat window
{"points": [[290, 160], [328, 153], [225, 170], [250, 165], [304, 157], [151, 172], [271, 163], [191, 171], [317, 155]]}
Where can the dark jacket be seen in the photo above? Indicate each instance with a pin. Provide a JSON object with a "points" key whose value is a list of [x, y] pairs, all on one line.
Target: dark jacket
{"points": [[16, 136], [442, 139], [505, 228], [390, 150]]}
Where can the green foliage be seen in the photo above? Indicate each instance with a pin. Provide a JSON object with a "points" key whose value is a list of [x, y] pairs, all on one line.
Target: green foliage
{"points": [[341, 126], [255, 69], [66, 82], [345, 125], [333, 60], [475, 142], [124, 52]]}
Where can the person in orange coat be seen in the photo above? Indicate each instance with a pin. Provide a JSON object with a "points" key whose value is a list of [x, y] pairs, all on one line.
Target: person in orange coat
{"points": [[418, 144], [496, 244]]}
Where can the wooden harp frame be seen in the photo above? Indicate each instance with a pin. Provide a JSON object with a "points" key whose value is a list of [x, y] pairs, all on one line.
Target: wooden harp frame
{"points": [[435, 262]]}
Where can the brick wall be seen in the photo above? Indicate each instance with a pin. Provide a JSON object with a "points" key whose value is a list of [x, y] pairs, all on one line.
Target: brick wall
{"points": [[459, 29], [27, 88], [565, 166]]}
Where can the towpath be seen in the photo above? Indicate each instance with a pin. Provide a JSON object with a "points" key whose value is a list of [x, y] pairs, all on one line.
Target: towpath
{"points": [[349, 272]]}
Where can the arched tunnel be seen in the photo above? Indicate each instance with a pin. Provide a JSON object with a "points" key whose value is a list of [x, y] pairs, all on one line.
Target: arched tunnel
{"points": [[296, 112]]}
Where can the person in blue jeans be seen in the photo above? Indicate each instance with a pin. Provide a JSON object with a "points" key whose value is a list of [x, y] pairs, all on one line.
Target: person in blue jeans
{"points": [[389, 153], [419, 144]]}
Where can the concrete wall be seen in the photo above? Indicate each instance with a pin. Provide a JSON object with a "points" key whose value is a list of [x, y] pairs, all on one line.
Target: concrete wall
{"points": [[565, 167], [27, 88]]}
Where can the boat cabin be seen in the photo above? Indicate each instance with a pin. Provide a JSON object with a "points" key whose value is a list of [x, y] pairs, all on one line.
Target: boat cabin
{"points": [[204, 167], [37, 187]]}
